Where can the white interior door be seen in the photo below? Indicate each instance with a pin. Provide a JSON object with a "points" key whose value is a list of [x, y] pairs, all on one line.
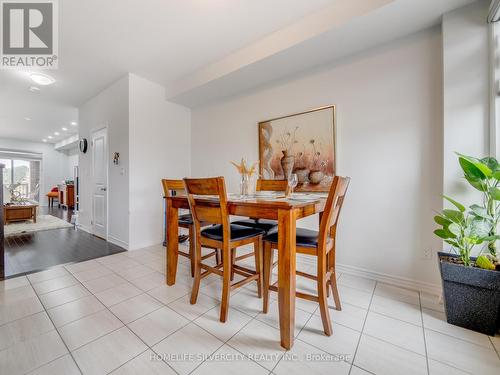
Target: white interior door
{"points": [[99, 149]]}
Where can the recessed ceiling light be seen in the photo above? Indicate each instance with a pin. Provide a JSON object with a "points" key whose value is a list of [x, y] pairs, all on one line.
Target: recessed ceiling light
{"points": [[44, 140], [64, 129], [27, 118], [49, 137], [56, 133], [34, 89], [73, 123], [42, 79]]}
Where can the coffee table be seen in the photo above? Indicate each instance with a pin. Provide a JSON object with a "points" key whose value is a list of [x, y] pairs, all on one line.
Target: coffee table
{"points": [[19, 212]]}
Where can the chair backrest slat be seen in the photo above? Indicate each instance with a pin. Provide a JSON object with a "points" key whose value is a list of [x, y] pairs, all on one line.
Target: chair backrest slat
{"points": [[170, 186], [208, 211], [334, 202], [271, 185]]}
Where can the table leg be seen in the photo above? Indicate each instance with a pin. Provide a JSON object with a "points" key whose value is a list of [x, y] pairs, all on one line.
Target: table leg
{"points": [[172, 242], [34, 214], [286, 275]]}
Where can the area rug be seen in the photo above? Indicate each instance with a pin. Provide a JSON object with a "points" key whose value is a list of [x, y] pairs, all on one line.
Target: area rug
{"points": [[43, 222]]}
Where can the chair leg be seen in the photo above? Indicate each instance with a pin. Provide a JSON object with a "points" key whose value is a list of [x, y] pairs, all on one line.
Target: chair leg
{"points": [[191, 249], [257, 249], [233, 260], [226, 283], [333, 280], [323, 301], [217, 257], [197, 272], [267, 270]]}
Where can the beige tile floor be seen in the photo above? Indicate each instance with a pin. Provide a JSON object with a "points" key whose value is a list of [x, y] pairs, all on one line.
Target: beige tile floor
{"points": [[116, 315]]}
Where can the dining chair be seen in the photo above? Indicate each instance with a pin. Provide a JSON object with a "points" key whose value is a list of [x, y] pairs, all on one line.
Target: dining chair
{"points": [[267, 225], [176, 187], [320, 244], [223, 235]]}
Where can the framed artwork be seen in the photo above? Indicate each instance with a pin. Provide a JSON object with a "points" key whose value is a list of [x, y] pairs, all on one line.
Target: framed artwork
{"points": [[302, 143]]}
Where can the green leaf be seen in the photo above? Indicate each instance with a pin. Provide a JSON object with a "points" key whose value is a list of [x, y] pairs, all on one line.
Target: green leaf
{"points": [[496, 175], [452, 243], [483, 262], [492, 238], [495, 193], [471, 168], [478, 229], [442, 221], [477, 183], [454, 215], [441, 233], [491, 163], [480, 211], [455, 229], [460, 207]]}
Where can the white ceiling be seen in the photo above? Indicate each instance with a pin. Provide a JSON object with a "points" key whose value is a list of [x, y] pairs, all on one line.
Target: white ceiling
{"points": [[172, 41]]}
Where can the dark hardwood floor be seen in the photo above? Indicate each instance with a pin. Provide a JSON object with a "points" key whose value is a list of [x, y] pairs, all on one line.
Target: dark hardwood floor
{"points": [[41, 250]]}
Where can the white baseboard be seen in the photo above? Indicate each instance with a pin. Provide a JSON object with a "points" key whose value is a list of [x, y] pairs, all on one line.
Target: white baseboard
{"points": [[398, 281], [84, 228], [118, 242]]}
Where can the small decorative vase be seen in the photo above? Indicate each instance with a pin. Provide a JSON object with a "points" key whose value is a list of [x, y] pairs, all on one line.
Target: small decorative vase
{"points": [[244, 184], [315, 177], [302, 174], [287, 161]]}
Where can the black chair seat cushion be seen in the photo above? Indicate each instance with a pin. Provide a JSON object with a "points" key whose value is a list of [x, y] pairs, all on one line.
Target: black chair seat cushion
{"points": [[265, 225], [238, 232], [185, 219], [304, 238]]}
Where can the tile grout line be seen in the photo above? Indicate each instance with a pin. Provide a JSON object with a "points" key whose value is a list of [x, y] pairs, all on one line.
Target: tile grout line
{"points": [[125, 325], [58, 333], [363, 327], [296, 337], [494, 347]]}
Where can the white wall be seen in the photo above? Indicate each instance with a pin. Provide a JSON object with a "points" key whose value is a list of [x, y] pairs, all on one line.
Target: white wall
{"points": [[54, 163], [72, 161], [159, 148], [389, 137], [466, 88], [108, 108]]}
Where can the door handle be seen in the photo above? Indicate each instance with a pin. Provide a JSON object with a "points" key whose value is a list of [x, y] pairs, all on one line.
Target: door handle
{"points": [[103, 189]]}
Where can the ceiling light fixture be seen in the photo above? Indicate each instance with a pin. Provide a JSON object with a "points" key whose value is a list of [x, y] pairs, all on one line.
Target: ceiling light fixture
{"points": [[64, 129], [73, 123], [56, 133], [49, 137], [34, 89], [44, 140], [42, 79], [27, 118]]}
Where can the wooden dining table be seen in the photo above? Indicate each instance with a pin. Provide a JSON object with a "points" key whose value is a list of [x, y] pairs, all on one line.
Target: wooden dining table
{"points": [[286, 212]]}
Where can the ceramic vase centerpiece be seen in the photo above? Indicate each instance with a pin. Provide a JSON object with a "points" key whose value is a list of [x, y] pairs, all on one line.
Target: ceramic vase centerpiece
{"points": [[247, 182], [300, 169], [316, 174], [287, 161]]}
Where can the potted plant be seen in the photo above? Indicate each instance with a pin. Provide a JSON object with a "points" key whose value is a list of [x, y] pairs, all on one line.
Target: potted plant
{"points": [[471, 285]]}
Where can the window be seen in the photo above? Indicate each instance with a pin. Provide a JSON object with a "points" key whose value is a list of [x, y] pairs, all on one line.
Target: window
{"points": [[21, 178]]}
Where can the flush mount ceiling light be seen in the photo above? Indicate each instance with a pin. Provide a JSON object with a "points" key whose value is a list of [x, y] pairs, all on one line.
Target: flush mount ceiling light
{"points": [[56, 133], [64, 129], [34, 89], [73, 123], [27, 118], [42, 79], [44, 140], [49, 137]]}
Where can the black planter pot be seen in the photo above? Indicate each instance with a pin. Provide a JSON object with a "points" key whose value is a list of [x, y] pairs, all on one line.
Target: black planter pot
{"points": [[471, 296]]}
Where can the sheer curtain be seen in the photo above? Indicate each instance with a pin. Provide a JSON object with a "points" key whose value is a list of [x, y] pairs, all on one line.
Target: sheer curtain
{"points": [[21, 177]]}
